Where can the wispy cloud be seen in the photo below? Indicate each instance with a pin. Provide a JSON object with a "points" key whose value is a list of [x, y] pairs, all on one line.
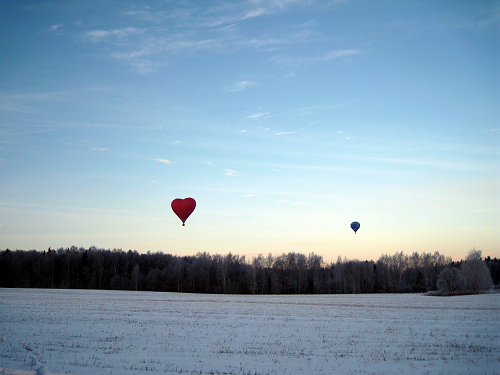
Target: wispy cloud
{"points": [[192, 29], [322, 107], [159, 16], [267, 42], [29, 103], [242, 11], [258, 115], [99, 35], [424, 162], [165, 161], [100, 149], [256, 13], [55, 27], [339, 53], [231, 172], [264, 7], [299, 61], [248, 195], [240, 86], [289, 132], [152, 53]]}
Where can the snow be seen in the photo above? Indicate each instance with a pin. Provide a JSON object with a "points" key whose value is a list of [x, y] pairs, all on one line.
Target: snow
{"points": [[47, 332]]}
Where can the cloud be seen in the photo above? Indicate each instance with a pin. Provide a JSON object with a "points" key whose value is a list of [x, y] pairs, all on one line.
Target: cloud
{"points": [[256, 13], [290, 132], [240, 86], [267, 42], [231, 172], [312, 107], [299, 61], [100, 149], [245, 10], [264, 7], [243, 131], [99, 35], [248, 195], [29, 103], [339, 53], [151, 52], [153, 45], [165, 161], [161, 16], [258, 115], [183, 29], [55, 27]]}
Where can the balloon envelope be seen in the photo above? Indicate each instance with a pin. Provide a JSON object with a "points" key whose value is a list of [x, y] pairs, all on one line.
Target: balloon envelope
{"points": [[355, 226], [183, 208]]}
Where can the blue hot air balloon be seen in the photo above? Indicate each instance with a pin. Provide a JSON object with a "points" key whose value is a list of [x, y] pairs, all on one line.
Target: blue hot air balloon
{"points": [[355, 226]]}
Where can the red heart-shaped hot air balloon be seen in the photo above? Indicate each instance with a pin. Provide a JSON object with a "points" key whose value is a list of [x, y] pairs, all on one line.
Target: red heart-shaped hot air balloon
{"points": [[183, 208]]}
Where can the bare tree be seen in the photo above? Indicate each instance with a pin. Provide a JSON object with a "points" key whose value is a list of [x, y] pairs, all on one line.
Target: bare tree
{"points": [[450, 281], [476, 272], [399, 264]]}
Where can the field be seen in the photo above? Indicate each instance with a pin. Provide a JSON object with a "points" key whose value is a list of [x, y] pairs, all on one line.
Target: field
{"points": [[116, 332]]}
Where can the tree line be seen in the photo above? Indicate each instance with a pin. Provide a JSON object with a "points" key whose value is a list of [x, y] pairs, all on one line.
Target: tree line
{"points": [[292, 273]]}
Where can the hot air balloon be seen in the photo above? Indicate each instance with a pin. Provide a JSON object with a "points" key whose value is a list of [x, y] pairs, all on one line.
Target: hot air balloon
{"points": [[355, 226], [183, 208]]}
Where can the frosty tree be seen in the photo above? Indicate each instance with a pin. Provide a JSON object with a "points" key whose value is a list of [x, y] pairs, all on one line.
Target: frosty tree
{"points": [[451, 281], [476, 273]]}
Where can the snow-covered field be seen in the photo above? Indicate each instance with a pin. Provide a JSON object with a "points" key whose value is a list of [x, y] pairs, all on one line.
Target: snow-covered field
{"points": [[110, 332]]}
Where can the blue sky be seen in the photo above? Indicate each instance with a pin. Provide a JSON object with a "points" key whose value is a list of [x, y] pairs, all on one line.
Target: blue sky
{"points": [[286, 120]]}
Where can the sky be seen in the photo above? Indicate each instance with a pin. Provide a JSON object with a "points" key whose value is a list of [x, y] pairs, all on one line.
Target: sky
{"points": [[285, 120]]}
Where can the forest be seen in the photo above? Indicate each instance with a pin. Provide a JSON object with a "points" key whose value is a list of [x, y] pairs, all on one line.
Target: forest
{"points": [[292, 273]]}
